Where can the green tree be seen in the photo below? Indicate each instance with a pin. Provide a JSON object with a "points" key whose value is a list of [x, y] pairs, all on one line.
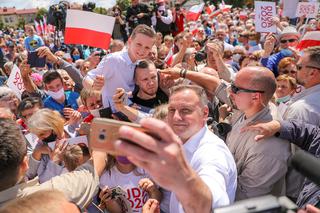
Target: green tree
{"points": [[1, 24], [100, 10], [123, 4], [41, 12], [21, 23]]}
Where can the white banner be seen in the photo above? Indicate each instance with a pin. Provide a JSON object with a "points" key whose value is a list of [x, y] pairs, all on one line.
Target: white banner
{"points": [[265, 11], [308, 9], [15, 81], [289, 8]]}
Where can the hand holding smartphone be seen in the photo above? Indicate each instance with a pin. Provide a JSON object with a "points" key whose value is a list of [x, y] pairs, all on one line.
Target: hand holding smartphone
{"points": [[104, 132], [35, 61]]}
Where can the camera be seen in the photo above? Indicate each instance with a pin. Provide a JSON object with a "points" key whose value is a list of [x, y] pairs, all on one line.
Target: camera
{"points": [[101, 54], [200, 56], [57, 15], [116, 13], [264, 204], [154, 7], [89, 6]]}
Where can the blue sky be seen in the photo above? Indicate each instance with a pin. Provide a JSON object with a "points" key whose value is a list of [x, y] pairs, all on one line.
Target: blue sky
{"points": [[20, 4]]}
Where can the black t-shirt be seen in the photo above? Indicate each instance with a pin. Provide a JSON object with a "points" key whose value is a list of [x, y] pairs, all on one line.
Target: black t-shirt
{"points": [[161, 98]]}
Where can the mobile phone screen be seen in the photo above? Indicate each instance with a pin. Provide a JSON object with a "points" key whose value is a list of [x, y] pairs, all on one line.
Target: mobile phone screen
{"points": [[35, 61]]}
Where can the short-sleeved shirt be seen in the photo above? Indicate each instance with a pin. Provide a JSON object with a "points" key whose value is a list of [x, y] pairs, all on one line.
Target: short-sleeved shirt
{"points": [[118, 70], [147, 105], [70, 101], [33, 42], [129, 182]]}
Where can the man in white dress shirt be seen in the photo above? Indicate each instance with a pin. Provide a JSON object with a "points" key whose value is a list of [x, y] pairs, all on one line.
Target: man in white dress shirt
{"points": [[116, 70], [190, 161]]}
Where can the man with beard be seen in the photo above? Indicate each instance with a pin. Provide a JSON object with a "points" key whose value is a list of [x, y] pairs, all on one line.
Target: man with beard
{"points": [[304, 106], [116, 70], [147, 94]]}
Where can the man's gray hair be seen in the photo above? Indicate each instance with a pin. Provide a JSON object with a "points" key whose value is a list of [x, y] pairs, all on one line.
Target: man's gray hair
{"points": [[314, 55], [6, 92], [200, 92]]}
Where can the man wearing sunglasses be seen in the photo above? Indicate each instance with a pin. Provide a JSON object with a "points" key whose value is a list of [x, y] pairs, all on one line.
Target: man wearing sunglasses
{"points": [[288, 39], [305, 106], [261, 166]]}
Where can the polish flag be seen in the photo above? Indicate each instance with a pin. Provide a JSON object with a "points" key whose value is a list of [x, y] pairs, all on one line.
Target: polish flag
{"points": [[215, 13], [194, 12], [38, 27], [310, 39], [169, 58], [225, 7], [209, 9], [45, 26], [42, 27], [243, 15], [88, 28]]}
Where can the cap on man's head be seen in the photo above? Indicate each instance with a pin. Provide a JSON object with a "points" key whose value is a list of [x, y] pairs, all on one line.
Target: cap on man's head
{"points": [[160, 1], [289, 31]]}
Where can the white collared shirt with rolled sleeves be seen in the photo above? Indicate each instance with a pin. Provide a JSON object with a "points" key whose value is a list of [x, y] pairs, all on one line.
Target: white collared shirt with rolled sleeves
{"points": [[211, 159], [118, 71]]}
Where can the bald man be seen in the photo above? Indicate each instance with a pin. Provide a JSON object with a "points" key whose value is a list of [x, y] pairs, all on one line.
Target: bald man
{"points": [[261, 166]]}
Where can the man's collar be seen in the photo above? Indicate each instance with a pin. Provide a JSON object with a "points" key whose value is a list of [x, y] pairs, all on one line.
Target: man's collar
{"points": [[193, 142]]}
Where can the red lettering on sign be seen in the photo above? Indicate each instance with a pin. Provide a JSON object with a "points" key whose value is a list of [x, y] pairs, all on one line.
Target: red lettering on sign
{"points": [[266, 16], [137, 197], [18, 81]]}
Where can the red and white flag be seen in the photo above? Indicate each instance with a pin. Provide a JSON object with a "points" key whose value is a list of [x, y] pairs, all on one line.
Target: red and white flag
{"points": [[215, 13], [88, 28], [310, 39], [225, 7], [45, 26], [38, 27], [169, 58], [194, 12], [209, 9], [41, 27]]}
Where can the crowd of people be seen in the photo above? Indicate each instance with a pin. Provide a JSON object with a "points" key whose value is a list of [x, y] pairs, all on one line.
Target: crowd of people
{"points": [[224, 108]]}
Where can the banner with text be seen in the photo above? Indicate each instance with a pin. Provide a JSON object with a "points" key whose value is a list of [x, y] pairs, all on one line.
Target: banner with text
{"points": [[265, 11], [15, 81], [308, 9]]}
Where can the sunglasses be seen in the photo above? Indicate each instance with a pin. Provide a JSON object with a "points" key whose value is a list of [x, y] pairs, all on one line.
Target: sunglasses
{"points": [[299, 67], [236, 89], [289, 40]]}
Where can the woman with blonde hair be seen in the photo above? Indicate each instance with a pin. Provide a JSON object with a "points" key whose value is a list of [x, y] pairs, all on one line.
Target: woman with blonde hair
{"points": [[286, 87], [45, 162]]}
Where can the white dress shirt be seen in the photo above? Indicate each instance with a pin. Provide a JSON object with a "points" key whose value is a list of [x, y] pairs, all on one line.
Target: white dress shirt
{"points": [[211, 159], [118, 70]]}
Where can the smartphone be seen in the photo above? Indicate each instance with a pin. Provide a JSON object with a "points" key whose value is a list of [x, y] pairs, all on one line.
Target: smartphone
{"points": [[102, 113], [35, 61], [104, 132]]}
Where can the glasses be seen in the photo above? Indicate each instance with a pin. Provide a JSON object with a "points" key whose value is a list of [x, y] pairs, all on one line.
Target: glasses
{"points": [[288, 72], [289, 40], [236, 89], [299, 67]]}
